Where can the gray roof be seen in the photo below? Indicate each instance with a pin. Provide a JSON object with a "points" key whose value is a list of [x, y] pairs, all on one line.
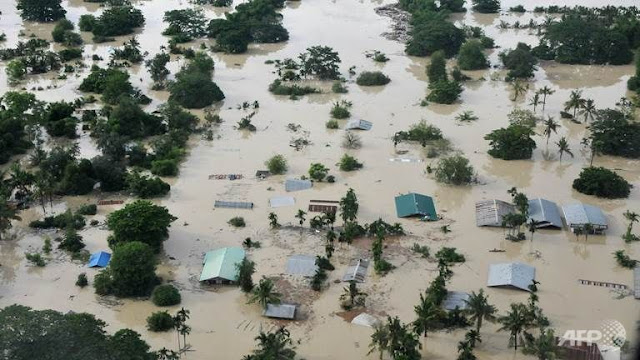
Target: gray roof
{"points": [[303, 265], [358, 125], [636, 282], [233, 204], [357, 270], [296, 185], [545, 212], [513, 274], [279, 201], [455, 299], [579, 214], [280, 311], [490, 212]]}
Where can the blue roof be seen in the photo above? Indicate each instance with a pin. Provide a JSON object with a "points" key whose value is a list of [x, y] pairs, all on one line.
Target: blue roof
{"points": [[99, 259]]}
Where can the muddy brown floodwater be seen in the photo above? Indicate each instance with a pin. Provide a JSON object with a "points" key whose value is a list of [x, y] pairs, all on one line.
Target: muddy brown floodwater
{"points": [[223, 325]]}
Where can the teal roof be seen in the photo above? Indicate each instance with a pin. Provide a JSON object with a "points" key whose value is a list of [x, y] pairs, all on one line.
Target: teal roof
{"points": [[221, 263], [413, 204]]}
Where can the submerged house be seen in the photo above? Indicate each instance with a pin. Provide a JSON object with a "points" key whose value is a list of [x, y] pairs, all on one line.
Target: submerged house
{"points": [[357, 124], [413, 204], [545, 213], [99, 259], [233, 204], [219, 266], [456, 299], [490, 212], [297, 185], [514, 275], [280, 311], [579, 215], [302, 265], [357, 271]]}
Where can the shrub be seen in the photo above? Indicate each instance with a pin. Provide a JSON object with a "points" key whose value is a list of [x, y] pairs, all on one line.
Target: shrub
{"points": [[165, 167], [511, 143], [340, 109], [237, 222], [520, 61], [165, 295], [35, 259], [146, 187], [332, 124], [338, 87], [523, 117], [351, 140], [87, 209], [160, 321], [318, 171], [372, 78], [193, 88], [82, 280], [602, 182], [114, 21], [625, 260], [277, 87], [471, 56], [70, 54], [423, 250], [349, 163], [486, 6], [277, 164], [324, 263], [246, 268], [444, 92], [71, 242], [449, 255], [455, 170], [102, 283], [518, 8]]}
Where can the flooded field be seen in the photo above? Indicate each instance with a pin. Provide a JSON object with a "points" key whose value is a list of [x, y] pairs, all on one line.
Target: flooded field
{"points": [[223, 325]]}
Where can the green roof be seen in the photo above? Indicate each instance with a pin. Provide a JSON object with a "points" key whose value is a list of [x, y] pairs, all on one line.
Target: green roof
{"points": [[413, 204], [221, 263]]}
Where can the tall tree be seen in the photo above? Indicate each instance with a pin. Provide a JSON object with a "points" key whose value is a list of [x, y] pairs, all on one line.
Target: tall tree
{"points": [[515, 322], [535, 101], [545, 91], [479, 309], [519, 88], [141, 221], [550, 126], [349, 206], [300, 216], [41, 10], [589, 110], [428, 315], [8, 212], [632, 217], [575, 102], [544, 347], [265, 293], [275, 345], [563, 147], [379, 340]]}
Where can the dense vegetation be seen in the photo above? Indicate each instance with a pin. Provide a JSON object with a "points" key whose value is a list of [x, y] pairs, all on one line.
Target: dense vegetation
{"points": [[131, 271], [193, 87], [140, 221], [41, 10], [511, 143], [520, 61], [614, 133], [602, 182], [372, 78], [455, 170], [471, 56], [114, 21]]}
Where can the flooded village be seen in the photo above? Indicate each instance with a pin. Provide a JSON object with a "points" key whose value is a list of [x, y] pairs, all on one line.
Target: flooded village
{"points": [[320, 179]]}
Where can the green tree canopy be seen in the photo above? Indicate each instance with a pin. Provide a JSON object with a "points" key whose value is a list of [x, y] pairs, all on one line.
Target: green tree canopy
{"points": [[132, 270], [511, 143], [140, 221], [602, 182], [41, 10], [471, 56]]}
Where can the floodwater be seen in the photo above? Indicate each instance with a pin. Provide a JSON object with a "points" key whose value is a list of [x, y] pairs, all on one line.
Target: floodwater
{"points": [[223, 325]]}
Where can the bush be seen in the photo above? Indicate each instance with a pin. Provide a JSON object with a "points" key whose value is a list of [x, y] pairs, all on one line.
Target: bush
{"points": [[165, 295], [338, 87], [114, 21], [318, 172], [340, 109], [193, 88], [349, 163], [486, 6], [102, 283], [41, 10], [444, 92], [160, 321], [518, 8], [523, 117], [71, 242], [602, 182], [146, 187], [70, 54], [277, 164], [520, 61], [168, 167], [82, 280], [613, 134], [87, 209], [35, 259], [332, 124], [455, 170], [237, 222], [449, 255], [472, 57], [372, 78], [246, 268], [278, 88], [511, 143]]}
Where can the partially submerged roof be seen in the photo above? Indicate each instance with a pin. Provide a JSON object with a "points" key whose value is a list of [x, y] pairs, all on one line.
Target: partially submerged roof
{"points": [[577, 215], [455, 299], [357, 124], [357, 270], [490, 212], [297, 185], [221, 263], [515, 274], [303, 265], [280, 311], [636, 282], [545, 213], [365, 319], [233, 204], [412, 204], [279, 201], [323, 206], [99, 259]]}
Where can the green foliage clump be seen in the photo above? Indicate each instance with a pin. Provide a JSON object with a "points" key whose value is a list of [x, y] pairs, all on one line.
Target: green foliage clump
{"points": [[523, 117], [35, 259], [70, 54], [139, 221], [423, 250], [60, 221], [518, 9], [59, 120], [113, 84], [613, 133], [432, 32], [486, 6], [332, 124], [520, 61], [455, 170], [625, 260], [130, 51], [444, 92], [237, 221], [165, 295], [318, 171], [246, 268], [340, 109], [349, 163], [131, 271], [82, 280], [278, 87], [602, 182], [71, 241], [277, 164], [41, 10], [511, 143], [372, 78], [160, 321], [114, 21], [193, 87], [449, 255], [63, 33], [185, 24], [338, 88], [471, 56], [145, 186], [87, 209]]}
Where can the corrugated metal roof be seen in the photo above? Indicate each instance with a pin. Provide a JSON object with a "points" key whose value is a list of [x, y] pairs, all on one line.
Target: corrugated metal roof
{"points": [[280, 311], [365, 319], [233, 204], [357, 271], [99, 259], [303, 265], [490, 212], [636, 282], [455, 299], [412, 204], [358, 124], [297, 185], [221, 263], [581, 214], [513, 274], [279, 201], [545, 212]]}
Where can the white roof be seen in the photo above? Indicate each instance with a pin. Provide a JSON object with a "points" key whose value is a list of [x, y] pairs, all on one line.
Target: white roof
{"points": [[296, 184], [280, 311], [365, 319], [513, 274], [279, 201]]}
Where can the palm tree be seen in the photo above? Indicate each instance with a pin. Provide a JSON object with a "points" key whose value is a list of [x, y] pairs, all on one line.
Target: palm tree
{"points": [[588, 110], [472, 337], [478, 309], [428, 315], [465, 351], [632, 217], [466, 116], [563, 147], [545, 91], [544, 347], [550, 126], [575, 102], [533, 226], [514, 322], [300, 216], [265, 293], [20, 179], [273, 220], [184, 331], [519, 88], [379, 340], [179, 324], [535, 101], [355, 296], [276, 345]]}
